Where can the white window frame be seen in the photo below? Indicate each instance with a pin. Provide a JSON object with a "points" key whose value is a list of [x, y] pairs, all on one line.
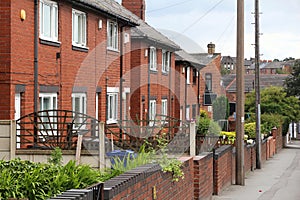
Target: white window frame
{"points": [[82, 107], [188, 75], [112, 105], [152, 112], [79, 28], [53, 23], [187, 113], [166, 60], [152, 59], [164, 108], [52, 106], [112, 35]]}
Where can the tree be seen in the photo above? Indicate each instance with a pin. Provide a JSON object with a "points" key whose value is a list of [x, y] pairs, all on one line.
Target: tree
{"points": [[220, 108], [274, 100], [292, 83]]}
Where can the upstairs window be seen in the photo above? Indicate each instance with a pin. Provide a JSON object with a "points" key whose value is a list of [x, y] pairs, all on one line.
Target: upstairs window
{"points": [[48, 20], [195, 76], [166, 57], [208, 82], [188, 75], [78, 28], [112, 35], [153, 59]]}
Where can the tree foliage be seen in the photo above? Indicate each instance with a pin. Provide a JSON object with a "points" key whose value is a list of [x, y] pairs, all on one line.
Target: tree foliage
{"points": [[292, 83], [220, 108], [274, 100]]}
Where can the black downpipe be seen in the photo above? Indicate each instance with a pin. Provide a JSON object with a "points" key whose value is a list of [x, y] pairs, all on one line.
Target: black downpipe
{"points": [[185, 92], [148, 98], [198, 93], [121, 84], [36, 15]]}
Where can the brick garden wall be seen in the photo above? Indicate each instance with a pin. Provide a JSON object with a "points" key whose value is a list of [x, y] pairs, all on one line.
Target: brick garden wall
{"points": [[203, 176], [149, 182]]}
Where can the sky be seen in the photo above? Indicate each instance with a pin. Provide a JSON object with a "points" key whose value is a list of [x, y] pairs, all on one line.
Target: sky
{"points": [[195, 23]]}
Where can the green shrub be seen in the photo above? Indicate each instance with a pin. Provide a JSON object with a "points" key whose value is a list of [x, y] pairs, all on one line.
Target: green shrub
{"points": [[207, 126], [250, 130]]}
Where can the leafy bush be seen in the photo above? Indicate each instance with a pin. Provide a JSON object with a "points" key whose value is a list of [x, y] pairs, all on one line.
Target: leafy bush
{"points": [[270, 121], [207, 126], [250, 130], [26, 179]]}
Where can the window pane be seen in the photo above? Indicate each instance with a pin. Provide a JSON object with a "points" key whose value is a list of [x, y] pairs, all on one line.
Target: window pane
{"points": [[75, 28], [46, 103], [46, 20], [55, 13]]}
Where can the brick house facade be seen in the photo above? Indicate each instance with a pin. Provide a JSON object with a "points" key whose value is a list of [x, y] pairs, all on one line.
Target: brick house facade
{"points": [[79, 56], [152, 69]]}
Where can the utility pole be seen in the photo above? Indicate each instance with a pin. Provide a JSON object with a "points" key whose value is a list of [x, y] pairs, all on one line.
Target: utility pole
{"points": [[257, 88], [240, 98]]}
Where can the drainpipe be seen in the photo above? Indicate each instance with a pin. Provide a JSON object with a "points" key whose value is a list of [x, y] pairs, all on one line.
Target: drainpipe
{"points": [[121, 83], [198, 92], [35, 67], [148, 88], [185, 91]]}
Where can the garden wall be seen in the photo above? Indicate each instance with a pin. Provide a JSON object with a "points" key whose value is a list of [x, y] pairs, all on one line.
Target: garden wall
{"points": [[7, 139], [149, 182], [203, 176]]}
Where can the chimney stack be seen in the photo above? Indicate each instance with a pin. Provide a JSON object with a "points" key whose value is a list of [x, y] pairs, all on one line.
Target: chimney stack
{"points": [[211, 48], [137, 7]]}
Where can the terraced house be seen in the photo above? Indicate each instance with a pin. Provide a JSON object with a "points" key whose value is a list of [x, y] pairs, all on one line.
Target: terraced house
{"points": [[95, 59], [64, 55]]}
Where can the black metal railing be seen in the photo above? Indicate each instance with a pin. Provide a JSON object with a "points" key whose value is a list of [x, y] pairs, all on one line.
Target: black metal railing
{"points": [[54, 128]]}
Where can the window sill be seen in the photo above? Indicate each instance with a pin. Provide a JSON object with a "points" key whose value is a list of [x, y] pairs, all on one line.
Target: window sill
{"points": [[113, 49], [80, 48], [165, 73], [111, 121], [50, 42], [152, 71]]}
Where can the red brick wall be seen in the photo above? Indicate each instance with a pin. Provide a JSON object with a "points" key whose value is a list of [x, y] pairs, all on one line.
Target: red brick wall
{"points": [[222, 168], [5, 59], [161, 85], [73, 68], [203, 176], [163, 184], [250, 158]]}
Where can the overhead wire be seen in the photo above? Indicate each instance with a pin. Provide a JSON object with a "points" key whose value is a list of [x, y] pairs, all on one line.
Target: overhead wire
{"points": [[169, 6], [202, 16]]}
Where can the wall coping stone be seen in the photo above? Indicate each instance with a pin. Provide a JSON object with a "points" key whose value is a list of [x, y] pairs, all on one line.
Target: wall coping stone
{"points": [[222, 150], [118, 184]]}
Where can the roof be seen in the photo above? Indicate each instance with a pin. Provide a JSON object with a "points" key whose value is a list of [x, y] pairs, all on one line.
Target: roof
{"points": [[111, 8], [204, 58], [266, 80], [182, 55], [143, 31], [147, 32]]}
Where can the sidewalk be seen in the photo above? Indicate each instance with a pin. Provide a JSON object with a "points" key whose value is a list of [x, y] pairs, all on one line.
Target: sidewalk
{"points": [[278, 179]]}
